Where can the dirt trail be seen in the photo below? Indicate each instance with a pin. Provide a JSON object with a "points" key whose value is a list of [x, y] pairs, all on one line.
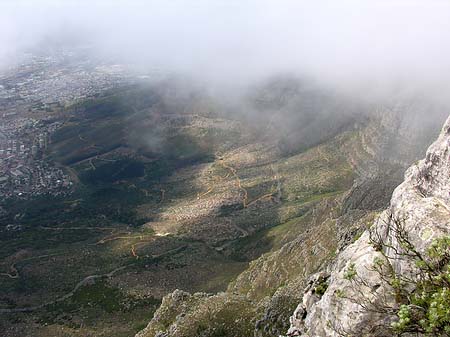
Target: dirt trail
{"points": [[14, 272], [233, 172], [78, 228], [276, 194], [92, 164], [114, 236], [135, 246], [104, 159], [265, 196], [84, 281], [322, 154], [143, 239], [199, 196], [212, 185], [245, 202], [91, 160]]}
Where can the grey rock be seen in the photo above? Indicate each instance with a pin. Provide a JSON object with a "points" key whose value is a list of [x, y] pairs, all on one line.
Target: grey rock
{"points": [[422, 202]]}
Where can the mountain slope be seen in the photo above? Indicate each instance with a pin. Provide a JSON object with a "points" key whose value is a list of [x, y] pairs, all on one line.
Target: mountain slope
{"points": [[419, 210], [177, 190], [273, 284]]}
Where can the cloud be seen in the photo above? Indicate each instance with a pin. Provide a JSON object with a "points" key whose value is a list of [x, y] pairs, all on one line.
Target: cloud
{"points": [[348, 44]]}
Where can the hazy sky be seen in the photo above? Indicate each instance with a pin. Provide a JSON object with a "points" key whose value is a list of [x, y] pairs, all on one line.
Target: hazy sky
{"points": [[348, 43]]}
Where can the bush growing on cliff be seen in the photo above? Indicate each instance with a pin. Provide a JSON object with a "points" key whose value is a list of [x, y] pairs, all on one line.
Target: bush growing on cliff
{"points": [[421, 294], [428, 307]]}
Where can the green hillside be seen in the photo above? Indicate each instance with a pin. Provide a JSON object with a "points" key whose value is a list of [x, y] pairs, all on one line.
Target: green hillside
{"points": [[181, 193]]}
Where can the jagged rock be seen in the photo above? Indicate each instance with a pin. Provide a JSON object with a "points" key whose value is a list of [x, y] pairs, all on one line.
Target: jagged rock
{"points": [[184, 315], [422, 202]]}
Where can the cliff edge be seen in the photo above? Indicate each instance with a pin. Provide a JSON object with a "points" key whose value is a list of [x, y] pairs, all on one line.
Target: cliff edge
{"points": [[356, 296]]}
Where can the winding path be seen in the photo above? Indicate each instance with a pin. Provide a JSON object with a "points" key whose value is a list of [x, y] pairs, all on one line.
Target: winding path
{"points": [[233, 172], [245, 202], [84, 281], [14, 272]]}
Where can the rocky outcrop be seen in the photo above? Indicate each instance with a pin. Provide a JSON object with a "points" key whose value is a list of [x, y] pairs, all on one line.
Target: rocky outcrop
{"points": [[422, 205], [184, 315]]}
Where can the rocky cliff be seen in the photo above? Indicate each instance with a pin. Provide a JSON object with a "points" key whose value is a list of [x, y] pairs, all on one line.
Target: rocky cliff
{"points": [[350, 297]]}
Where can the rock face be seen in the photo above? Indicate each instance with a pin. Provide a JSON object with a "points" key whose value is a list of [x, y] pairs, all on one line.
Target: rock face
{"points": [[184, 315], [422, 203]]}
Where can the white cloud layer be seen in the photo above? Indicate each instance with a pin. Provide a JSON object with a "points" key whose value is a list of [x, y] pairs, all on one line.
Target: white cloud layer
{"points": [[349, 44]]}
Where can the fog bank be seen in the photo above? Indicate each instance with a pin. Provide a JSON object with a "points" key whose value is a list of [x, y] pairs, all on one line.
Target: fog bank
{"points": [[368, 46]]}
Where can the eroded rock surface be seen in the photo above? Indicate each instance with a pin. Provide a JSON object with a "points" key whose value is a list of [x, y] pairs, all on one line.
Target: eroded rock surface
{"points": [[422, 203]]}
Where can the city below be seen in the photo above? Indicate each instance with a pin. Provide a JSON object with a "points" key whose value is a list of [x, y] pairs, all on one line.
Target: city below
{"points": [[34, 94]]}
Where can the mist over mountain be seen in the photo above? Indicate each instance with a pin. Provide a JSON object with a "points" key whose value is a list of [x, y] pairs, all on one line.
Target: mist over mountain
{"points": [[366, 47], [218, 168]]}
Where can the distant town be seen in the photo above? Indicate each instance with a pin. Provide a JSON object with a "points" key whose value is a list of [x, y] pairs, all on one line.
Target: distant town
{"points": [[32, 95]]}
